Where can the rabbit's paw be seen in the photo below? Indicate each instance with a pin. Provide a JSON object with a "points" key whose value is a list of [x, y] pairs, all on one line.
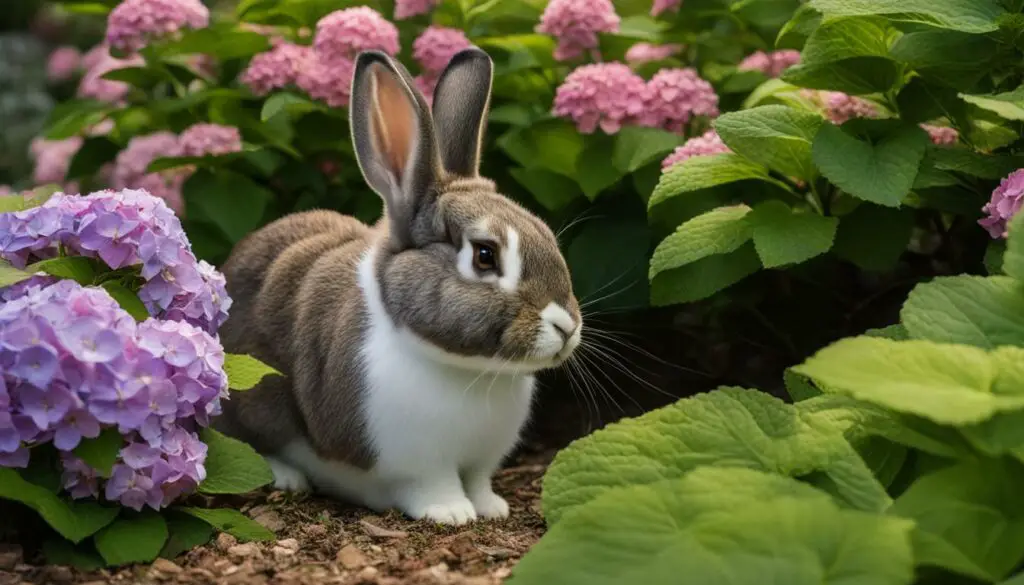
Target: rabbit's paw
{"points": [[458, 512], [286, 477], [489, 505]]}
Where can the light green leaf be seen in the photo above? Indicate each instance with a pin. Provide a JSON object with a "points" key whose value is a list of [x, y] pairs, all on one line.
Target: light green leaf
{"points": [[1013, 259], [729, 427], [703, 278], [137, 538], [946, 383], [10, 275], [778, 137], [287, 102], [874, 237], [232, 467], [231, 521], [128, 300], [185, 533], [701, 172], [101, 453], [969, 518], [974, 310], [973, 16], [783, 235], [245, 371], [554, 145], [895, 332], [882, 173], [81, 270], [1009, 105], [637, 146], [794, 34], [592, 169], [74, 521], [717, 526], [718, 231]]}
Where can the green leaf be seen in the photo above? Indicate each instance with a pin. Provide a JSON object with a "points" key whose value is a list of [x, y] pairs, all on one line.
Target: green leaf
{"points": [[81, 270], [945, 383], [955, 58], [701, 172], [245, 371], [95, 152], [232, 467], [794, 34], [1013, 259], [607, 260], [231, 521], [220, 41], [728, 427], [552, 190], [981, 311], [855, 75], [10, 275], [972, 16], [70, 118], [850, 55], [636, 147], [895, 332], [975, 164], [128, 300], [778, 137], [885, 458], [287, 102], [1009, 105], [185, 533], [719, 526], [101, 453], [232, 201], [137, 538], [703, 278], [798, 387], [718, 231], [61, 552], [74, 521], [783, 235], [969, 518], [874, 237], [881, 173], [554, 145]]}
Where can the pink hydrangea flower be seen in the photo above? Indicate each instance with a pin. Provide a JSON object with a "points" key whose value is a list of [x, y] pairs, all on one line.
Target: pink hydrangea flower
{"points": [[409, 8], [209, 139], [134, 23], [941, 135], [576, 23], [6, 190], [605, 95], [436, 46], [1005, 203], [771, 64], [53, 158], [840, 107], [343, 34], [661, 6], [276, 68], [131, 169], [674, 96], [94, 86], [63, 63], [329, 82], [426, 84], [95, 56], [706, 144], [641, 53]]}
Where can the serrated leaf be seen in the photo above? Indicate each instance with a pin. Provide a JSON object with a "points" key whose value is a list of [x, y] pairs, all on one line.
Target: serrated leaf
{"points": [[728, 427], [184, 533], [783, 235], [245, 371], [849, 55], [637, 146], [10, 275], [973, 16], [101, 453], [778, 137], [1013, 258], [703, 278], [137, 538], [969, 518], [945, 383], [1009, 105], [232, 467], [128, 300], [718, 231], [231, 521], [82, 270], [881, 173], [762, 529], [74, 521], [795, 32], [981, 311], [701, 172]]}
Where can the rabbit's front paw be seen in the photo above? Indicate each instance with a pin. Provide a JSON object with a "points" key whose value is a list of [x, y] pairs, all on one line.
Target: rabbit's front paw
{"points": [[286, 477], [458, 512], [489, 505]]}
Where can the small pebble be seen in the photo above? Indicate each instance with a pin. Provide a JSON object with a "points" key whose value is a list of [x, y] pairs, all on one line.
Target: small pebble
{"points": [[352, 558], [244, 551], [225, 541], [289, 544], [166, 567]]}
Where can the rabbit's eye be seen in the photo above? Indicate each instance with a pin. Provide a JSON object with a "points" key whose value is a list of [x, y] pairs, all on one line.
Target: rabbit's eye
{"points": [[485, 257]]}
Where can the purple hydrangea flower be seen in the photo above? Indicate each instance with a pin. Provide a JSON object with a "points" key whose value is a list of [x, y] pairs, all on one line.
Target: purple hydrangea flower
{"points": [[1005, 204]]}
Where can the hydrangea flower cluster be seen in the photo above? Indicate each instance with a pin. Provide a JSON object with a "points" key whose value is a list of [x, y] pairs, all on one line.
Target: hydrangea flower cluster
{"points": [[53, 159], [840, 107], [674, 96], [130, 168], [641, 53], [771, 64], [97, 63], [1005, 203], [576, 23], [277, 68], [706, 144], [330, 83], [343, 34], [134, 23], [76, 362], [605, 95], [433, 50], [123, 228], [661, 6], [209, 139], [941, 135], [63, 63], [405, 9]]}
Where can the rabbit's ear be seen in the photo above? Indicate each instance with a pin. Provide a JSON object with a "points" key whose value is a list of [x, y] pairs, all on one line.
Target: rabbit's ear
{"points": [[461, 99], [393, 136]]}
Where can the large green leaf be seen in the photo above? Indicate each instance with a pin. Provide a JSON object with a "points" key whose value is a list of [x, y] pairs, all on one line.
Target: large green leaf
{"points": [[231, 521], [101, 453], [703, 278], [719, 526], [83, 557], [232, 467], [128, 299], [1013, 259], [137, 538], [881, 172], [718, 231], [973, 16], [955, 58], [1009, 105], [729, 427], [10, 275], [969, 518], [184, 533], [232, 201], [874, 237], [593, 171], [783, 235], [975, 164], [946, 383], [77, 268], [974, 310], [636, 147], [551, 144], [74, 521], [701, 172], [245, 371], [778, 137], [850, 55]]}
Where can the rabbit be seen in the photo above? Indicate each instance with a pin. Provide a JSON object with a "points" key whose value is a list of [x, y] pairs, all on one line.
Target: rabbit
{"points": [[409, 348]]}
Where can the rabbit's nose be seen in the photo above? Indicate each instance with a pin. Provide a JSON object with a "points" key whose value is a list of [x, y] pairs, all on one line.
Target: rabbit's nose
{"points": [[564, 331]]}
